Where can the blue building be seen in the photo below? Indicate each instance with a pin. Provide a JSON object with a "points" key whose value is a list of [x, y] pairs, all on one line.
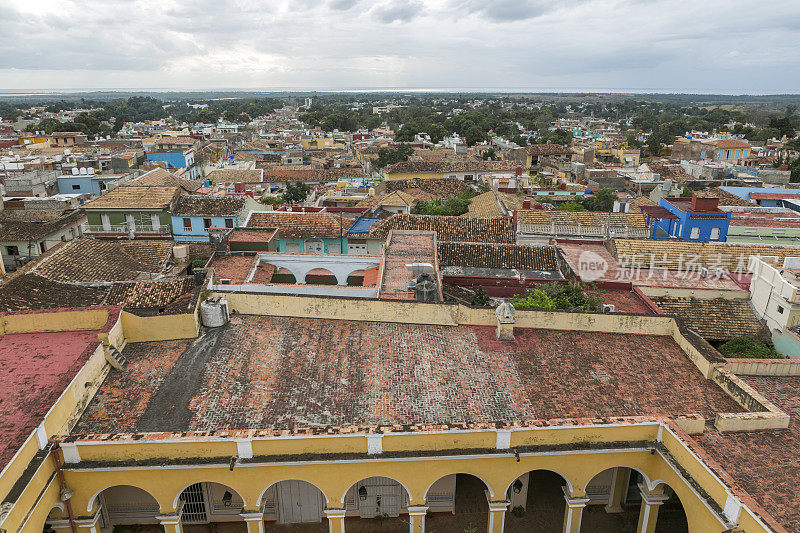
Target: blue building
{"points": [[765, 197], [194, 215], [87, 184], [175, 152], [689, 219]]}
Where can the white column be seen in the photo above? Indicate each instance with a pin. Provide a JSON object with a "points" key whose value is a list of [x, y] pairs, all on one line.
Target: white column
{"points": [[170, 522], [573, 512], [416, 515], [497, 516], [648, 512], [335, 520], [254, 521]]}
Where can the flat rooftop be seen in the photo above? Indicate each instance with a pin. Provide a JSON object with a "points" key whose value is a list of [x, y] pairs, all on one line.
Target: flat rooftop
{"points": [[35, 369], [639, 272], [261, 372], [403, 249], [765, 463]]}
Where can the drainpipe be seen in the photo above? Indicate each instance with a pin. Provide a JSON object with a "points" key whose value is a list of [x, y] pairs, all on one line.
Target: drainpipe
{"points": [[64, 490]]}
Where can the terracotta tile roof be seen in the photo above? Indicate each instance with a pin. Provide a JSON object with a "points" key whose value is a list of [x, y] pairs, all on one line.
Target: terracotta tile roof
{"points": [[219, 206], [505, 256], [133, 197], [725, 197], [252, 235], [774, 196], [494, 230], [548, 149], [184, 140], [584, 218], [484, 205], [234, 267], [149, 294], [715, 319], [764, 463], [398, 199], [301, 225], [731, 143], [758, 219], [681, 255], [403, 249], [89, 260], [440, 187], [441, 374], [641, 201], [160, 177], [304, 174], [445, 166], [31, 291], [34, 224], [234, 176]]}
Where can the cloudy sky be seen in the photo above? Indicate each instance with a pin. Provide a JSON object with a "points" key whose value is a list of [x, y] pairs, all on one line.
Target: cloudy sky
{"points": [[729, 46]]}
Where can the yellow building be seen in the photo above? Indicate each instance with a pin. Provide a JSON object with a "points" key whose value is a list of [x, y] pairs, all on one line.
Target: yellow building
{"points": [[611, 151], [305, 410], [320, 143]]}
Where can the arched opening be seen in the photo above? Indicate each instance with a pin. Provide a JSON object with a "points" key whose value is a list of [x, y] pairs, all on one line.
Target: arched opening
{"points": [[125, 507], [210, 503], [57, 514], [283, 276], [320, 276], [536, 502], [292, 501], [356, 279], [458, 502], [617, 497], [377, 499]]}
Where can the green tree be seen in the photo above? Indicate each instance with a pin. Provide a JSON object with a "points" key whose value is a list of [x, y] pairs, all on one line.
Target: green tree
{"points": [[296, 193], [387, 156]]}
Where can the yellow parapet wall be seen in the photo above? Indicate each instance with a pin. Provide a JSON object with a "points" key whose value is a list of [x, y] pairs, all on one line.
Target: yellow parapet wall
{"points": [[56, 320], [159, 327]]}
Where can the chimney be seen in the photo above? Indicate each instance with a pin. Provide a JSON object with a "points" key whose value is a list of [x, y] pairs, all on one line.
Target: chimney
{"points": [[505, 321], [700, 204]]}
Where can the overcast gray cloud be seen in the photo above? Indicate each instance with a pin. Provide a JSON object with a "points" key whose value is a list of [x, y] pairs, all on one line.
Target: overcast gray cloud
{"points": [[558, 44]]}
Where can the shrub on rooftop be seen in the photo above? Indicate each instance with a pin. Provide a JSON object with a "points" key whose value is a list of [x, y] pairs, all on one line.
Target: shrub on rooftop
{"points": [[748, 348], [570, 296]]}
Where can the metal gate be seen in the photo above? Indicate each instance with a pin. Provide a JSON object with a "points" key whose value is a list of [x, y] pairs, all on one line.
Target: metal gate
{"points": [[194, 508], [383, 498]]}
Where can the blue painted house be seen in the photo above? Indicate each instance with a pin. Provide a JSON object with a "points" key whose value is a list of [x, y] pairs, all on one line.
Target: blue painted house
{"points": [[689, 219], [309, 233], [87, 184], [175, 152], [194, 215]]}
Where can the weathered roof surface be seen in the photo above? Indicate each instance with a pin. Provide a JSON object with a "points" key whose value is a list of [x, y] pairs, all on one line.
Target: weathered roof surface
{"points": [[149, 294], [301, 225], [199, 205], [160, 177], [547, 149], [505, 256], [36, 369], [439, 187], [484, 205], [133, 197], [90, 260], [717, 319], [584, 218], [682, 255], [405, 248], [764, 463], [725, 197], [317, 373], [641, 201], [497, 230], [234, 176], [290, 174], [731, 143], [31, 291], [34, 224], [405, 167]]}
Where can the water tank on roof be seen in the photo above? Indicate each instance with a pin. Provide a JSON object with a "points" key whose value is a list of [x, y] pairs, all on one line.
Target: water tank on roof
{"points": [[214, 312]]}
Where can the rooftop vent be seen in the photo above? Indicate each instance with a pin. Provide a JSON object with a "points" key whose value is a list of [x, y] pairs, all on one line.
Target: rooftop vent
{"points": [[425, 288], [608, 308]]}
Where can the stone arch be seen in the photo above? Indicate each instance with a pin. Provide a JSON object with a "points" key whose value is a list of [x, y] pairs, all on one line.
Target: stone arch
{"points": [[97, 494], [488, 486], [566, 479], [633, 468], [320, 272], [403, 485], [228, 487], [260, 499]]}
